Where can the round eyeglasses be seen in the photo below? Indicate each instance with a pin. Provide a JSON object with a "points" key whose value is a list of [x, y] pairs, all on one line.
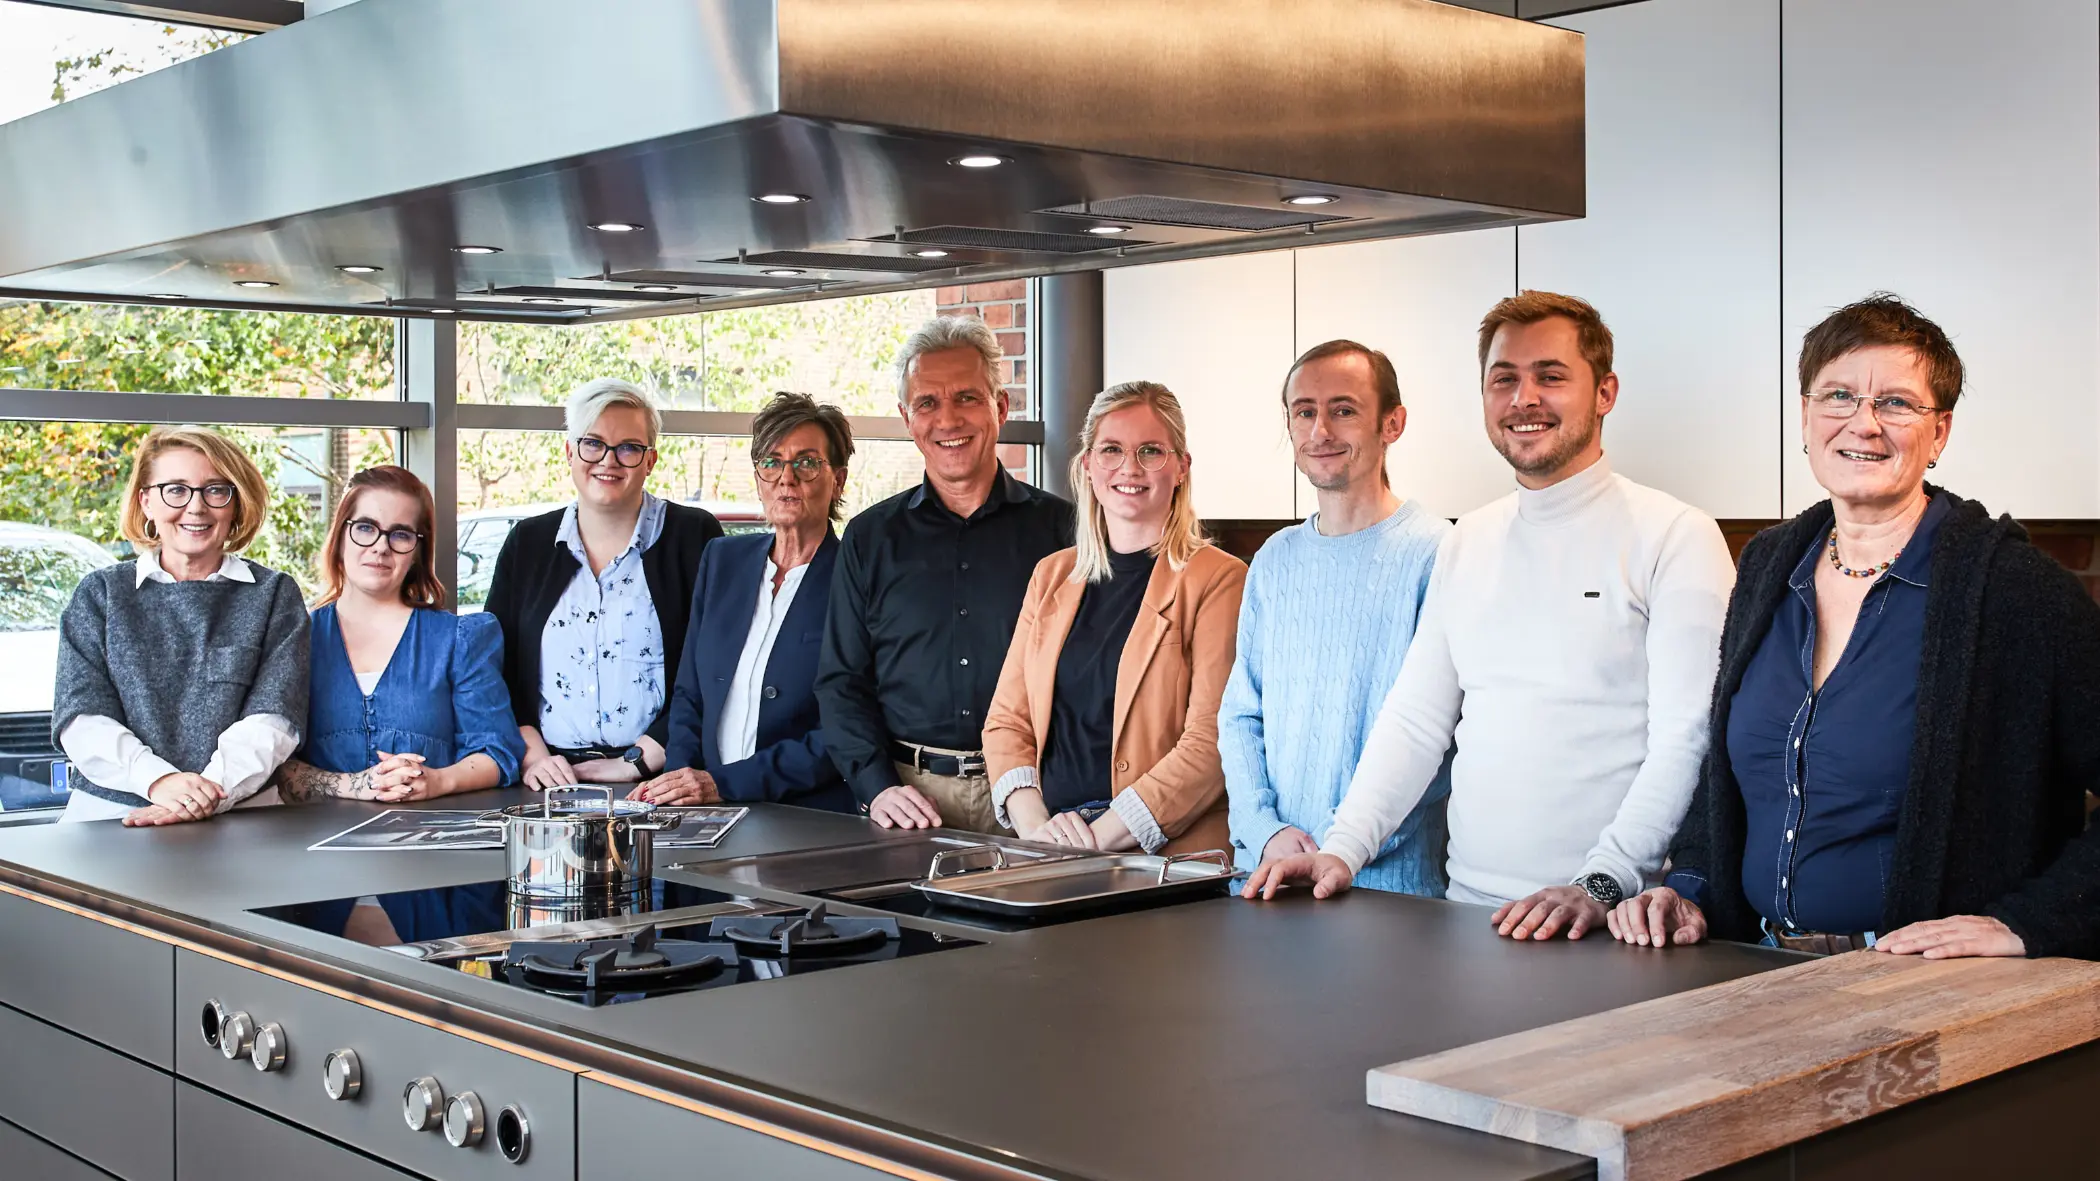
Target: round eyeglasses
{"points": [[591, 450], [1150, 456], [178, 495], [772, 468], [364, 533]]}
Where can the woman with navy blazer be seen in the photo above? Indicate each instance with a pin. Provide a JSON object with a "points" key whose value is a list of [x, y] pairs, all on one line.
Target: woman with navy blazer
{"points": [[743, 722]]}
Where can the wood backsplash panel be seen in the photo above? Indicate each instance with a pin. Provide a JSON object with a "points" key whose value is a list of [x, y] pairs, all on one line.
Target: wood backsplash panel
{"points": [[1677, 1086]]}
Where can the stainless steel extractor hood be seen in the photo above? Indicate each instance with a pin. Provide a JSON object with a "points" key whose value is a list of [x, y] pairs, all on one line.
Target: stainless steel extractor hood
{"points": [[351, 161]]}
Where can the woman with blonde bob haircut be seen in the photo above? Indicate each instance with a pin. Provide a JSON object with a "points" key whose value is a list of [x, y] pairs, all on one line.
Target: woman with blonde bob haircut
{"points": [[182, 673], [1104, 731]]}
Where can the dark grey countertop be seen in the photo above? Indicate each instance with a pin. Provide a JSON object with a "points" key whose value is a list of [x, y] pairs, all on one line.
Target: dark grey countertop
{"points": [[1220, 1039]]}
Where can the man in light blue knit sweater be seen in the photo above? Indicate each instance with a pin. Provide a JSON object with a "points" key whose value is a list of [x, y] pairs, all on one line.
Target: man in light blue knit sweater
{"points": [[1329, 609]]}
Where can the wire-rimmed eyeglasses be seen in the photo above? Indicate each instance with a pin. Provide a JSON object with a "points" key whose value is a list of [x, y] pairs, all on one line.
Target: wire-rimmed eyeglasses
{"points": [[1150, 456], [772, 468]]}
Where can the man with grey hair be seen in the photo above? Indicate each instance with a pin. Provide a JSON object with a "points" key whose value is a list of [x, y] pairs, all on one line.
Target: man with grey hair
{"points": [[927, 593], [593, 597]]}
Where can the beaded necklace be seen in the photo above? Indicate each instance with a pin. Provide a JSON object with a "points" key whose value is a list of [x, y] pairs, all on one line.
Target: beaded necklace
{"points": [[1849, 572]]}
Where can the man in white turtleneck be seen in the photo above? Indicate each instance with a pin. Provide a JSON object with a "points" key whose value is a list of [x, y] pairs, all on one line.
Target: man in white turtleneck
{"points": [[1568, 643]]}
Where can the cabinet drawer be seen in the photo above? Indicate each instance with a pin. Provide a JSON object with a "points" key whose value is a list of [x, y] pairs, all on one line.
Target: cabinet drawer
{"points": [[92, 1102], [222, 1139], [392, 1052], [625, 1135], [102, 982], [27, 1156]]}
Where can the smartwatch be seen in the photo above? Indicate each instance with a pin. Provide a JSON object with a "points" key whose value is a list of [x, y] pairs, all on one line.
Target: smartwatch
{"points": [[1603, 887], [633, 755]]}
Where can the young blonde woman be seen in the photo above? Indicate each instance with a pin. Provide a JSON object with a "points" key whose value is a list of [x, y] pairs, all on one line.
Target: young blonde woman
{"points": [[182, 673], [1104, 731]]}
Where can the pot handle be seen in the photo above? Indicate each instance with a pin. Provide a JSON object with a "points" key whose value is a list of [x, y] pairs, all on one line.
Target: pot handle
{"points": [[490, 820], [657, 821], [547, 804]]}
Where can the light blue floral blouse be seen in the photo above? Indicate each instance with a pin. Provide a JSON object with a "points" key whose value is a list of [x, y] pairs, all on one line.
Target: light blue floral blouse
{"points": [[602, 651]]}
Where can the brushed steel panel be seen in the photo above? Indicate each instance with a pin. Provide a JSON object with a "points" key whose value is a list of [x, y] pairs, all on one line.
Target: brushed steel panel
{"points": [[623, 1136], [27, 1156], [222, 1139], [67, 1090], [103, 983]]}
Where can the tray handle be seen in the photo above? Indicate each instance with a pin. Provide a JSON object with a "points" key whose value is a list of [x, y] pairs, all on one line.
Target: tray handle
{"points": [[1217, 857], [933, 871]]}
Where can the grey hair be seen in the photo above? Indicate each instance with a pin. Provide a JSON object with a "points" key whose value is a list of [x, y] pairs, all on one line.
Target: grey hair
{"points": [[784, 413], [593, 398], [951, 332]]}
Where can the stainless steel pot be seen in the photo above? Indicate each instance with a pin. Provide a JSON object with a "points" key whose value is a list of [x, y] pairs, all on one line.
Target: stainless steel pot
{"points": [[577, 848]]}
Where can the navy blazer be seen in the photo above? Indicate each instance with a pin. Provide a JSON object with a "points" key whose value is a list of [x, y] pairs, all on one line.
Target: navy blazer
{"points": [[790, 765]]}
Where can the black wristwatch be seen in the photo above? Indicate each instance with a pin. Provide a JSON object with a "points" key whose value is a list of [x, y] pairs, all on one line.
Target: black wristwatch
{"points": [[1603, 887], [633, 754]]}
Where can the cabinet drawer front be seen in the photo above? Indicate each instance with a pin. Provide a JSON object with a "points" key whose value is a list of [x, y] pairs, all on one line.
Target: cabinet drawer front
{"points": [[92, 1102], [392, 1052], [625, 1135], [222, 1139], [27, 1156], [110, 986]]}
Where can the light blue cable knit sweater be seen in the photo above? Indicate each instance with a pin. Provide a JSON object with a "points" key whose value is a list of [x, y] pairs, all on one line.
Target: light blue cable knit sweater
{"points": [[1324, 624]]}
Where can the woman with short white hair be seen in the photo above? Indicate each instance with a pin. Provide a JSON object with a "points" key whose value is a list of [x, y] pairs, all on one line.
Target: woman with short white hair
{"points": [[593, 595]]}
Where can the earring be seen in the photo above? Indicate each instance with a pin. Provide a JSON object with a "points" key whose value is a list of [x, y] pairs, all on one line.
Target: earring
{"points": [[1804, 448], [1932, 463]]}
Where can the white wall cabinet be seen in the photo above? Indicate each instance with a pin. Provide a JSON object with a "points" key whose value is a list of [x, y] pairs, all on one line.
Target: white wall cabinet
{"points": [[1216, 331], [1419, 300], [1949, 151], [1679, 248]]}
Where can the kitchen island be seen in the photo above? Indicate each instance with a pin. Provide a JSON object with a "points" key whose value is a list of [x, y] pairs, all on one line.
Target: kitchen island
{"points": [[1214, 1039]]}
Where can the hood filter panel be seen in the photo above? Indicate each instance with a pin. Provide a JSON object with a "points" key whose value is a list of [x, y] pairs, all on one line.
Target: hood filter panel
{"points": [[1009, 241], [821, 261], [1202, 215]]}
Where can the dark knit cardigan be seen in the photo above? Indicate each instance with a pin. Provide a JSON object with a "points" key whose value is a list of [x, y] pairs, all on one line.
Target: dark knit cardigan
{"points": [[1993, 820], [533, 569]]}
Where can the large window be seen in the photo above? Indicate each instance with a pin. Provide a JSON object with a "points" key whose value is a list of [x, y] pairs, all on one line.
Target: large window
{"points": [[49, 55]]}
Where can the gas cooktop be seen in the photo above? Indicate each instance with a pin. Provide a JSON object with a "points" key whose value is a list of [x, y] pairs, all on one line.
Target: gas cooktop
{"points": [[672, 938]]}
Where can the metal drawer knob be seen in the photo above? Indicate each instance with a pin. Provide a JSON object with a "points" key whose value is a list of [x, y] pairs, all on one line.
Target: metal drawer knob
{"points": [[342, 1076], [267, 1054], [423, 1104], [513, 1134], [463, 1120], [236, 1036], [215, 1015]]}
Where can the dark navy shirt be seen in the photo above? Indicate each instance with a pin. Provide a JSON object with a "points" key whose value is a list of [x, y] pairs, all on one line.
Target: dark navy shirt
{"points": [[1823, 773]]}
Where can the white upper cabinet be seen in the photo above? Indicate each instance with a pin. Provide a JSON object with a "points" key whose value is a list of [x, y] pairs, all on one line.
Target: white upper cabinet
{"points": [[1419, 300], [1680, 247], [1949, 151], [1216, 331]]}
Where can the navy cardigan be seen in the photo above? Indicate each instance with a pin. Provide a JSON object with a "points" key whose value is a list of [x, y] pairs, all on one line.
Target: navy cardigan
{"points": [[790, 765]]}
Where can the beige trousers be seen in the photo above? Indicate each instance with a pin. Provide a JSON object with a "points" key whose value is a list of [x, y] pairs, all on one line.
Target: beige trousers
{"points": [[964, 801]]}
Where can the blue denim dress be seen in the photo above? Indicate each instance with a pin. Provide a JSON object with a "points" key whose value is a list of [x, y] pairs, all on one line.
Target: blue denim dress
{"points": [[442, 696]]}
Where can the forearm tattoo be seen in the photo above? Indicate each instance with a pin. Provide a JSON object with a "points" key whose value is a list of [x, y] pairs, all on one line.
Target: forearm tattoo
{"points": [[300, 783]]}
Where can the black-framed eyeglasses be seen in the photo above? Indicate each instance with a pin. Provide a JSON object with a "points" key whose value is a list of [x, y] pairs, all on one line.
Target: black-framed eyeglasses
{"points": [[178, 495], [591, 450], [364, 532], [1150, 456], [1892, 409], [805, 467]]}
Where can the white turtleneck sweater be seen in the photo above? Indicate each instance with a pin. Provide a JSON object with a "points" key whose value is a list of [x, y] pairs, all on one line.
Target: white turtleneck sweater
{"points": [[1568, 642]]}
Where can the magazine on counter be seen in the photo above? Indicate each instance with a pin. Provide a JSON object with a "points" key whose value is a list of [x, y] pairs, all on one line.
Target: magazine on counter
{"points": [[416, 828]]}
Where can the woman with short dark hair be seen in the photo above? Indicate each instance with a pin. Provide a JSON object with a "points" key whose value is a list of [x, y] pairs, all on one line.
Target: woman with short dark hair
{"points": [[743, 712], [1903, 736]]}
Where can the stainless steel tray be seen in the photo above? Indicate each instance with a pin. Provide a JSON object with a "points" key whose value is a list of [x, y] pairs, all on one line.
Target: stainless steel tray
{"points": [[889, 863], [1058, 887]]}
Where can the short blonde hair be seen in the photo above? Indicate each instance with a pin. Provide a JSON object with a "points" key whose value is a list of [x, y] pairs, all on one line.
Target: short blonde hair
{"points": [[1184, 533], [251, 501], [592, 399]]}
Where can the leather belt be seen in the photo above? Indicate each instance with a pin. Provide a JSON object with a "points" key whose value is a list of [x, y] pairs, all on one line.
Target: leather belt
{"points": [[936, 761], [1823, 943]]}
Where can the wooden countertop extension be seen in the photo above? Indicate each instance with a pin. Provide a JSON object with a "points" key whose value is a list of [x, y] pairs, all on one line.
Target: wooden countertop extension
{"points": [[1676, 1086]]}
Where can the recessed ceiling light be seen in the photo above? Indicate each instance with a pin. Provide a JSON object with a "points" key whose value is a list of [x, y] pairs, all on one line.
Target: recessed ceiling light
{"points": [[1105, 230], [1310, 199], [654, 287], [930, 253], [253, 284], [477, 249], [542, 299], [616, 227], [781, 198], [979, 160], [358, 268], [781, 272]]}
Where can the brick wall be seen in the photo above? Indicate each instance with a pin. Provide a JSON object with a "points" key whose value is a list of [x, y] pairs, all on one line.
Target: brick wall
{"points": [[1003, 306]]}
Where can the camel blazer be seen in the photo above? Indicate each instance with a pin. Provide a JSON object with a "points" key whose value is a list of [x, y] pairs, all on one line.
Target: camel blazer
{"points": [[1173, 671]]}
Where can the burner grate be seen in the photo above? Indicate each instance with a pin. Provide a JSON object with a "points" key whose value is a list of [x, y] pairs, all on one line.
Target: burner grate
{"points": [[814, 933]]}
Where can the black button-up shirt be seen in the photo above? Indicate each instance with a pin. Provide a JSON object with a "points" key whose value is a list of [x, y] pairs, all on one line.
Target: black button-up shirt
{"points": [[1823, 772], [922, 610]]}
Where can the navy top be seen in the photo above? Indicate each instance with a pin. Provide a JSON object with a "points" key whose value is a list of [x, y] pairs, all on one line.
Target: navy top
{"points": [[442, 696], [1079, 745], [1823, 773], [790, 764]]}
